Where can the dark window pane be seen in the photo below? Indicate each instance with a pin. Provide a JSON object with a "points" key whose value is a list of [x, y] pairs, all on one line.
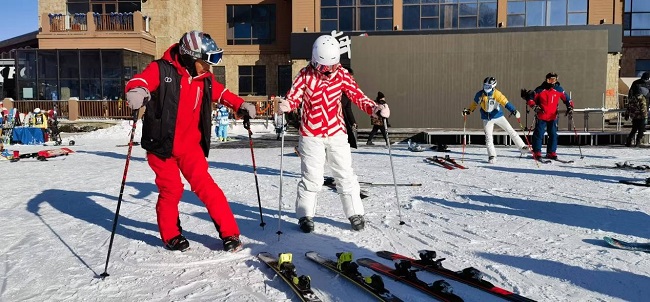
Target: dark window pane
{"points": [[261, 13], [243, 31], [112, 64], [69, 88], [535, 13], [411, 17], [581, 5], [367, 2], [346, 2], [129, 69], [516, 7], [90, 89], [129, 6], [69, 64], [324, 3], [242, 13], [430, 23], [77, 8], [328, 26], [284, 79], [430, 10], [385, 24], [487, 15], [367, 18], [384, 11], [468, 10], [384, 2], [329, 13], [346, 19], [627, 21], [47, 65], [577, 19], [245, 70], [112, 89], [467, 22], [557, 12], [411, 1], [438, 1], [26, 68], [261, 31], [88, 69], [516, 21], [48, 90], [449, 16]]}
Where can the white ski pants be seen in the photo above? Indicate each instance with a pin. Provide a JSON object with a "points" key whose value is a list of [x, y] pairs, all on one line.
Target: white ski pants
{"points": [[314, 153], [488, 127]]}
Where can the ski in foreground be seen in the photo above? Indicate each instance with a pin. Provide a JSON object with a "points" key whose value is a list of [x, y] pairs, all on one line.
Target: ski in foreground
{"points": [[301, 285], [631, 246], [469, 276], [42, 155], [635, 183], [441, 290], [347, 268]]}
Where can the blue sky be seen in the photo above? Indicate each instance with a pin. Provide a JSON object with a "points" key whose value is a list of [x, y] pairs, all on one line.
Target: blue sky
{"points": [[18, 17]]}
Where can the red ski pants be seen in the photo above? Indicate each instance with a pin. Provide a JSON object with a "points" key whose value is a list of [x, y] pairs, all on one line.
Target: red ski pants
{"points": [[194, 166]]}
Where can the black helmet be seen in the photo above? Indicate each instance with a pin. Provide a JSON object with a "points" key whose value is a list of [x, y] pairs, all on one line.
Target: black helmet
{"points": [[489, 83], [645, 76], [200, 46], [551, 75]]}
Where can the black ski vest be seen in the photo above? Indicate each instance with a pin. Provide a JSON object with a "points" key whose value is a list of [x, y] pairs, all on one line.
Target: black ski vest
{"points": [[159, 121]]}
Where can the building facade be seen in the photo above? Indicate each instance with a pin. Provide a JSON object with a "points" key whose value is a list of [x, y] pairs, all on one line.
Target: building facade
{"points": [[267, 42]]}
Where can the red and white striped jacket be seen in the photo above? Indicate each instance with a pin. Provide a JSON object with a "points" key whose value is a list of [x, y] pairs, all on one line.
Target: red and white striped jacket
{"points": [[322, 113]]}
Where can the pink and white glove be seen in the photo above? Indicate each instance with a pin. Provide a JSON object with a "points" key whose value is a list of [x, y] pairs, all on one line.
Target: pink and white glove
{"points": [[381, 111], [283, 106]]}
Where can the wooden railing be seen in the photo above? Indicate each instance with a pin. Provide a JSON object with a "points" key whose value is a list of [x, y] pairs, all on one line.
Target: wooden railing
{"points": [[29, 106], [104, 109], [74, 22], [113, 22], [124, 22]]}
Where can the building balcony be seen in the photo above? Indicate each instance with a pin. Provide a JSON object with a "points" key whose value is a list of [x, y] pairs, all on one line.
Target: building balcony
{"points": [[97, 31]]}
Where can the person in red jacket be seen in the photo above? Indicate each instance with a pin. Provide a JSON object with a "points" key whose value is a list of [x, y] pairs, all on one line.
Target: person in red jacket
{"points": [[545, 101], [323, 137], [178, 91]]}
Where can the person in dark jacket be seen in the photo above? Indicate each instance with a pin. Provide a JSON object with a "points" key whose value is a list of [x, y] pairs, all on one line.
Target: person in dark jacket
{"points": [[377, 122], [637, 108], [178, 91], [348, 117]]}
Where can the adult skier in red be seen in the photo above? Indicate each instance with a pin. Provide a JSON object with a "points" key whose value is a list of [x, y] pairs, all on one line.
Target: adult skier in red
{"points": [[177, 91], [323, 136]]}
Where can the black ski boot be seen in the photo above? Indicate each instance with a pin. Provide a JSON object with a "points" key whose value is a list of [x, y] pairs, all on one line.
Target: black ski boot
{"points": [[178, 243], [232, 244], [357, 222], [306, 224]]}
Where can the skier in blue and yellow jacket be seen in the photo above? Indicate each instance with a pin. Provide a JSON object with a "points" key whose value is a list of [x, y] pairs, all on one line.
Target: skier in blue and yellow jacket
{"points": [[490, 100]]}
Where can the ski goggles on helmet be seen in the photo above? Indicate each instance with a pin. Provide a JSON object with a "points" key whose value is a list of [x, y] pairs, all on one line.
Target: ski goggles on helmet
{"points": [[326, 68], [213, 57]]}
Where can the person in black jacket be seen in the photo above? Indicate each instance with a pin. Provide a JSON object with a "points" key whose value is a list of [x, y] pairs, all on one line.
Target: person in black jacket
{"points": [[637, 108], [378, 122], [348, 117]]}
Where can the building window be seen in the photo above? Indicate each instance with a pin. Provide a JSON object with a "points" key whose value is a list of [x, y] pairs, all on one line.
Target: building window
{"points": [[284, 79], [547, 12], [103, 6], [356, 15], [252, 80], [251, 24], [641, 66], [220, 74], [427, 14], [636, 19]]}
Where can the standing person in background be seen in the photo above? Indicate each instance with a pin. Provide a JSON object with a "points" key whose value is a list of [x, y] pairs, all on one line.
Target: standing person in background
{"points": [[348, 117], [378, 122], [490, 100], [39, 120], [323, 138], [545, 101], [176, 133], [637, 108], [223, 119]]}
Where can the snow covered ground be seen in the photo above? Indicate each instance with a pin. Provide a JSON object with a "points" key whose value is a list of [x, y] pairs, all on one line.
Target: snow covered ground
{"points": [[535, 230]]}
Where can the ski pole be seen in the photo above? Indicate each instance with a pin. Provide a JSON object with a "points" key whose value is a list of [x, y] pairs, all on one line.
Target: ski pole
{"points": [[392, 168], [462, 157], [530, 147], [119, 199], [279, 232], [247, 126], [575, 131]]}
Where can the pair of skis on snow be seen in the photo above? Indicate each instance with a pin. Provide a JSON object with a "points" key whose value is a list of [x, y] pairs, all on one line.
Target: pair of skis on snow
{"points": [[445, 162], [405, 272], [42, 155]]}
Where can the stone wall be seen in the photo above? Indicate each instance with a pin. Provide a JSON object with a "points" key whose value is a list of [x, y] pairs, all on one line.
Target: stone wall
{"points": [[170, 20], [50, 7], [613, 66]]}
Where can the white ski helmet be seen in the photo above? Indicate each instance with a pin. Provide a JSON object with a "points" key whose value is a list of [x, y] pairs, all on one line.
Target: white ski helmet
{"points": [[325, 53], [37, 110], [489, 83]]}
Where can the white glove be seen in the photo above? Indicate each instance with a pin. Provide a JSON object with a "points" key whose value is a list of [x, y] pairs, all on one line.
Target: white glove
{"points": [[247, 109], [517, 114], [381, 111], [137, 97], [283, 106]]}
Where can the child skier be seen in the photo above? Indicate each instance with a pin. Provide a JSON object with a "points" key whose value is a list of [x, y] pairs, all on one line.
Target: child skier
{"points": [[490, 100], [323, 138], [223, 119]]}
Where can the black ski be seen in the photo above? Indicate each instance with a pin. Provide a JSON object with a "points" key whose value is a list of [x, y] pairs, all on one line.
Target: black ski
{"points": [[331, 183], [439, 161], [453, 162], [441, 290], [126, 145], [349, 269], [627, 165], [283, 267], [635, 183], [469, 276], [563, 161], [376, 184]]}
